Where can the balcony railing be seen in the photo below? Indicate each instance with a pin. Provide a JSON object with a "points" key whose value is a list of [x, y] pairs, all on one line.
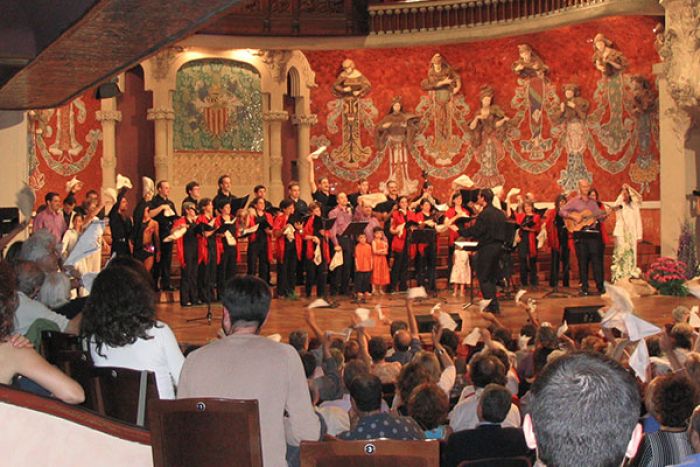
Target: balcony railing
{"points": [[439, 15]]}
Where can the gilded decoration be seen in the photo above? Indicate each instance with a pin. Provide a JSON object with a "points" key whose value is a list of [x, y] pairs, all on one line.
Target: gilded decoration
{"points": [[218, 107], [206, 167]]}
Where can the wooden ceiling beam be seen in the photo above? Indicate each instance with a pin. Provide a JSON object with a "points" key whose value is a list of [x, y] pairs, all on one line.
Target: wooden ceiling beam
{"points": [[111, 37]]}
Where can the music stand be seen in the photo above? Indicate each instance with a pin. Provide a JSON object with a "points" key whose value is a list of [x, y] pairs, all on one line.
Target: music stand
{"points": [[510, 230], [354, 229]]}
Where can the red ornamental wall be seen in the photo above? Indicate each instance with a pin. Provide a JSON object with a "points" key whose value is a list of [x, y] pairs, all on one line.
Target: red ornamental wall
{"points": [[66, 142], [566, 51]]}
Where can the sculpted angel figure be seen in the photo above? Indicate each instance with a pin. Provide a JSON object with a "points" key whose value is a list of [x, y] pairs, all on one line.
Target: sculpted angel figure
{"points": [[395, 134], [351, 82], [573, 113], [487, 137], [529, 64], [608, 60]]}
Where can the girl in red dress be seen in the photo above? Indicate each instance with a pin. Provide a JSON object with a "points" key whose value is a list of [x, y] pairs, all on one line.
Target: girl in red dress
{"points": [[380, 267]]}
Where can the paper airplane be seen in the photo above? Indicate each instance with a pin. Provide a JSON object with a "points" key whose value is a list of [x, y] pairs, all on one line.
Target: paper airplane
{"points": [[620, 297], [123, 182], [693, 289], [72, 183], [694, 319], [639, 360], [446, 321], [562, 329], [373, 199], [275, 337], [463, 181], [519, 295], [472, 338], [175, 234], [88, 243], [25, 200], [512, 192], [318, 152], [442, 207], [362, 313], [380, 313], [88, 279], [345, 333], [637, 328], [318, 303], [523, 342], [483, 304], [251, 230], [417, 292]]}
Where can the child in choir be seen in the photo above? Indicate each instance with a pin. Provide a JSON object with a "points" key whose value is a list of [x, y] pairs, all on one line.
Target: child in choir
{"points": [[380, 267], [461, 270], [363, 269]]}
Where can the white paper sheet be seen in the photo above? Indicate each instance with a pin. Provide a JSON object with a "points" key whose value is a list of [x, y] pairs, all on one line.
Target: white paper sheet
{"points": [[89, 242]]}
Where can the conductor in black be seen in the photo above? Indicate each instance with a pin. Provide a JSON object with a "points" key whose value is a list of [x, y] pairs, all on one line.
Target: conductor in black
{"points": [[489, 231]]}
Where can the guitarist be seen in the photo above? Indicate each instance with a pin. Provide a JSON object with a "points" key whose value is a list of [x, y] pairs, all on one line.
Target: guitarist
{"points": [[587, 239]]}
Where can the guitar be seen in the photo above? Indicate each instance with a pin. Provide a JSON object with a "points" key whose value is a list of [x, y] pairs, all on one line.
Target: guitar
{"points": [[578, 221]]}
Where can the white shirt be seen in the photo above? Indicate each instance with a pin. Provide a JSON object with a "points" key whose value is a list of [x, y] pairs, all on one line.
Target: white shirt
{"points": [[160, 354], [30, 310], [463, 416], [337, 420]]}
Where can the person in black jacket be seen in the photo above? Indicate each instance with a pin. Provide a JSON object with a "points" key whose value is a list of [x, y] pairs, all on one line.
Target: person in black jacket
{"points": [[489, 231], [164, 213], [488, 440], [120, 225]]}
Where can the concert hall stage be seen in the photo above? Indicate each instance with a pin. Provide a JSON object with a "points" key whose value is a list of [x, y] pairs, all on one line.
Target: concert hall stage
{"points": [[287, 315]]}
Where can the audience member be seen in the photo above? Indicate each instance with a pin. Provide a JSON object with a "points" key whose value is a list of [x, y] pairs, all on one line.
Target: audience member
{"points": [[584, 411], [673, 398], [18, 357], [484, 369], [120, 321], [693, 460], [489, 440], [269, 372], [372, 423], [428, 405]]}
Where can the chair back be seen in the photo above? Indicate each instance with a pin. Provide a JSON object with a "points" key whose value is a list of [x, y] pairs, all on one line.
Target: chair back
{"points": [[124, 394], [370, 453], [519, 461], [54, 342], [193, 432]]}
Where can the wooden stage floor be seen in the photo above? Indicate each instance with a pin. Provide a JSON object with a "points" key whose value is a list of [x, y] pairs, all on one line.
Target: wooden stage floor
{"points": [[286, 315]]}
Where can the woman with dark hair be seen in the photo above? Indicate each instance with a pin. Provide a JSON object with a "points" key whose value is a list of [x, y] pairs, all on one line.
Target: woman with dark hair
{"points": [[120, 321], [208, 251], [120, 225], [429, 406], [673, 400], [259, 254], [399, 246], [559, 241], [316, 242], [18, 359]]}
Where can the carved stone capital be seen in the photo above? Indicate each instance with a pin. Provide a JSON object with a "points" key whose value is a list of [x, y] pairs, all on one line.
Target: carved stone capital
{"points": [[108, 163], [108, 116], [276, 61], [305, 120], [681, 52], [163, 60], [276, 116], [160, 113]]}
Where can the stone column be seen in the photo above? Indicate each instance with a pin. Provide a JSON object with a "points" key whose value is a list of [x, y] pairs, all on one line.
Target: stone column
{"points": [[679, 99], [304, 124], [161, 116], [275, 119], [108, 115]]}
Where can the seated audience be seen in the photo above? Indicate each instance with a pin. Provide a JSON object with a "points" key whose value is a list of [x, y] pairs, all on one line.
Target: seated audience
{"points": [[268, 372], [387, 372], [120, 321], [674, 399], [22, 359], [29, 280], [489, 439], [428, 406], [55, 290], [584, 412], [484, 369], [693, 460], [371, 422]]}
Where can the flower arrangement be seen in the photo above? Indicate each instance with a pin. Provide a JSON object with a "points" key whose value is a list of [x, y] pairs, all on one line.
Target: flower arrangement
{"points": [[667, 275]]}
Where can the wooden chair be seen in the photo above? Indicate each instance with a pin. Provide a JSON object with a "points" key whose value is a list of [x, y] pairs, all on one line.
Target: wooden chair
{"points": [[124, 394], [205, 432], [498, 462], [54, 342], [370, 453]]}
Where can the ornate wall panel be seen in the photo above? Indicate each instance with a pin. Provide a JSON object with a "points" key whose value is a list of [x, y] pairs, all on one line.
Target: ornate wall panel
{"points": [[65, 142], [497, 112]]}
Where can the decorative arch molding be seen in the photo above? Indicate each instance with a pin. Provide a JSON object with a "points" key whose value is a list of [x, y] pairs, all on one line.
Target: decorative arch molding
{"points": [[273, 66]]}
